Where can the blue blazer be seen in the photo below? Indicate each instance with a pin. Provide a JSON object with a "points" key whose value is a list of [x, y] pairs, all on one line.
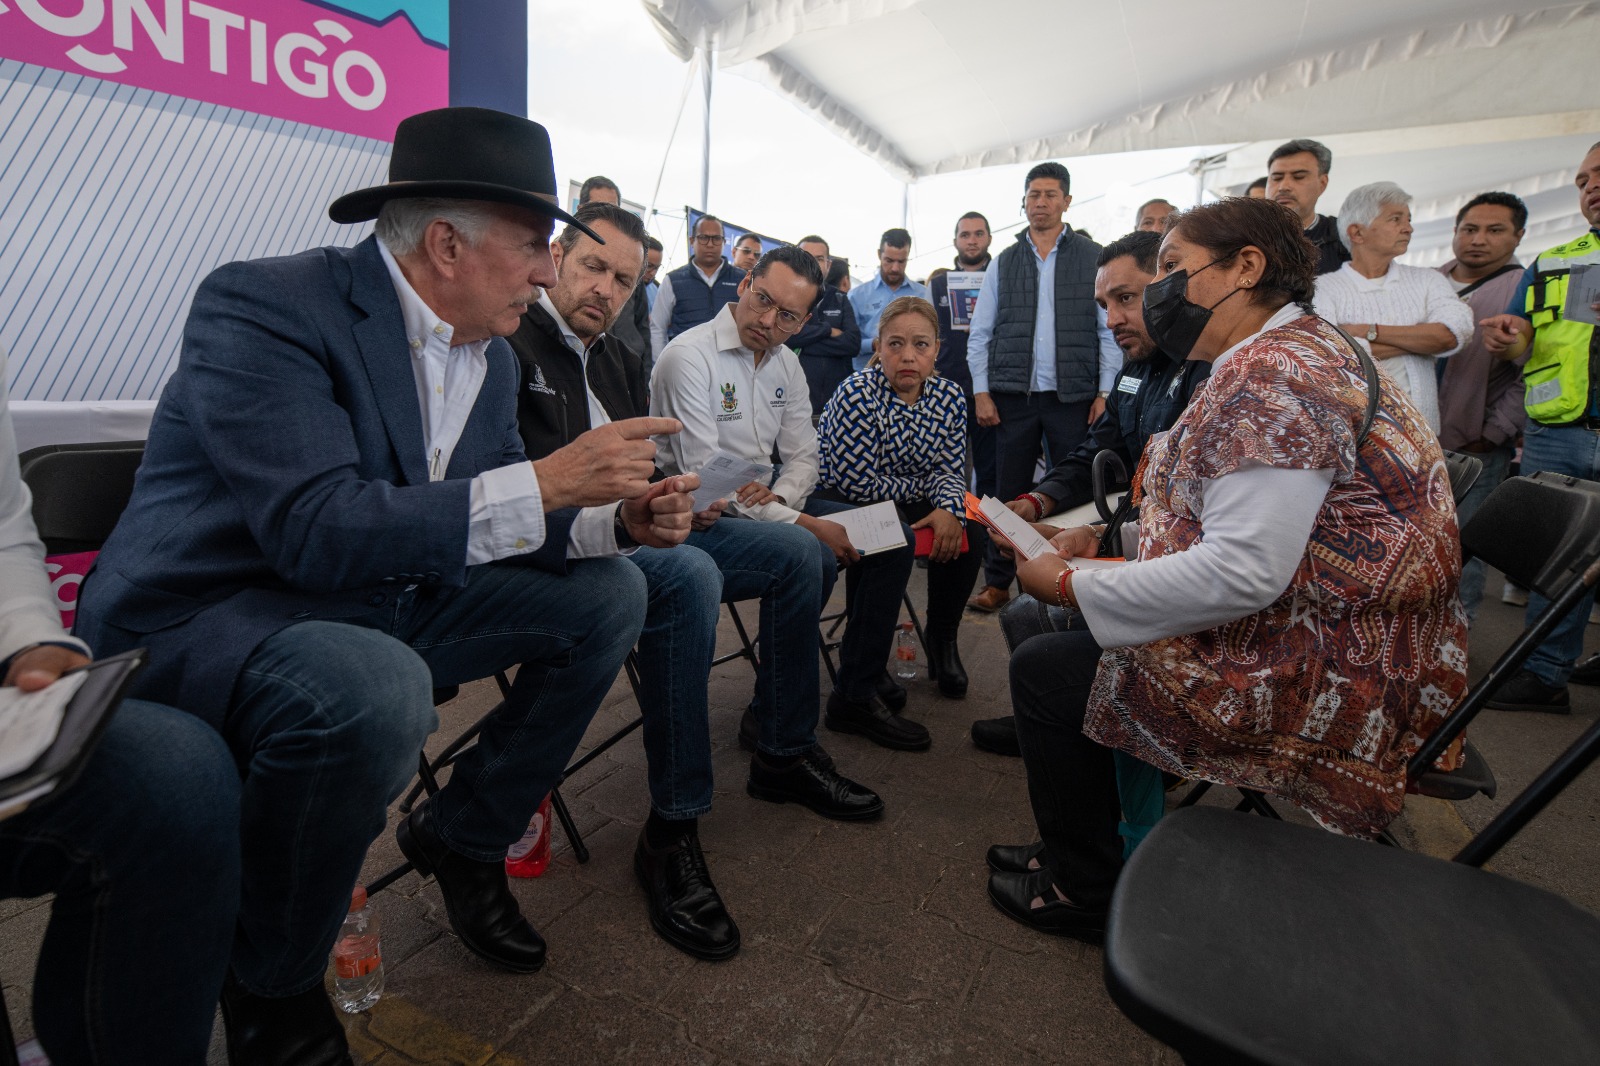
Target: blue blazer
{"points": [[285, 477]]}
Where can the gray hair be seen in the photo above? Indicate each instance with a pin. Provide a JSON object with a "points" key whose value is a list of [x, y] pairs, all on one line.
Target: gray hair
{"points": [[1363, 206], [1323, 156], [403, 221]]}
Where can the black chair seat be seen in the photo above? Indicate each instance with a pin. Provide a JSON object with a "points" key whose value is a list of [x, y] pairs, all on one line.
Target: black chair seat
{"points": [[1470, 778], [1243, 940]]}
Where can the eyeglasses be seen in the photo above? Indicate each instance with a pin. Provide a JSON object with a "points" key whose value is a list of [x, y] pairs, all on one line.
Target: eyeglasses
{"points": [[708, 238], [788, 321]]}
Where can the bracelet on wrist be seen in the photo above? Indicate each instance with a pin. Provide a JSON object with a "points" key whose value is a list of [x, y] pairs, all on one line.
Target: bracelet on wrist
{"points": [[1063, 600], [1036, 500]]}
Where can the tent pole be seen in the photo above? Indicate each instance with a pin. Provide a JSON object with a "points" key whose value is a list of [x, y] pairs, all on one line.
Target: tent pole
{"points": [[905, 205], [707, 78]]}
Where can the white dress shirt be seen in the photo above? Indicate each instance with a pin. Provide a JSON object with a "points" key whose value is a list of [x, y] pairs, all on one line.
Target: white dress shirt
{"points": [[1403, 296], [507, 509], [729, 400]]}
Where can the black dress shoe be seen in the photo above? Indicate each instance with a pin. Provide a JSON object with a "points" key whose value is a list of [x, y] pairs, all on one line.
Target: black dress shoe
{"points": [[300, 1030], [891, 692], [876, 722], [1587, 672], [998, 735], [1014, 893], [1526, 692], [944, 663], [813, 782], [1015, 858], [482, 910], [684, 906]]}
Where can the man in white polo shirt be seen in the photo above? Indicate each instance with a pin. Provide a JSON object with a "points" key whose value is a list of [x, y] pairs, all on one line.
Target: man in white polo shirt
{"points": [[741, 391]]}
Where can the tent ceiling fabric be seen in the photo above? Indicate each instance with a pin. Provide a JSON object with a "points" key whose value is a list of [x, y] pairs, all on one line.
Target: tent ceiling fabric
{"points": [[935, 86]]}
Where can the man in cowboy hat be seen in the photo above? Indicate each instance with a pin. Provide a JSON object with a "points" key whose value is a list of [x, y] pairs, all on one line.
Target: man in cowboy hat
{"points": [[335, 515]]}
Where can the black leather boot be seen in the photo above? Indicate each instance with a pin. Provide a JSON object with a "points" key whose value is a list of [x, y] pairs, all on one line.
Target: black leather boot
{"points": [[944, 663]]}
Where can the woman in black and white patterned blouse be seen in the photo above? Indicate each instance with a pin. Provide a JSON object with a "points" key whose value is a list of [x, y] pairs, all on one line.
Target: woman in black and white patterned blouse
{"points": [[895, 431]]}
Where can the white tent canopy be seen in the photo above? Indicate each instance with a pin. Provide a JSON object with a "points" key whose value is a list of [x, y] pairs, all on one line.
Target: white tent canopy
{"points": [[1447, 97]]}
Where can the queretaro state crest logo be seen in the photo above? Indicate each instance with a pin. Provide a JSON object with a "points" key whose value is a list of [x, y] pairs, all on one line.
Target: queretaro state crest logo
{"points": [[730, 402]]}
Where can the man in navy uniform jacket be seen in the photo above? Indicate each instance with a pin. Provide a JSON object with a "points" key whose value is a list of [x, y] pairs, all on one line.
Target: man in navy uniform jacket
{"points": [[335, 516]]}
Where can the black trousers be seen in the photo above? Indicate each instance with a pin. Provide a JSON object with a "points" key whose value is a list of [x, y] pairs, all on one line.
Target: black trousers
{"points": [[1032, 426], [1072, 781], [950, 583]]}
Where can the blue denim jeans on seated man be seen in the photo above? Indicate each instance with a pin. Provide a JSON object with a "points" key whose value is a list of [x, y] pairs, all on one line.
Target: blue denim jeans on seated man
{"points": [[327, 719], [1575, 451], [876, 585], [142, 852], [777, 563], [684, 589]]}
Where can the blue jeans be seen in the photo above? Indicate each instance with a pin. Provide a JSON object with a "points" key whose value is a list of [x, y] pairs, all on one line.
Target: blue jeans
{"points": [[1575, 451], [874, 589], [776, 563], [327, 718], [1496, 464], [142, 852], [675, 653]]}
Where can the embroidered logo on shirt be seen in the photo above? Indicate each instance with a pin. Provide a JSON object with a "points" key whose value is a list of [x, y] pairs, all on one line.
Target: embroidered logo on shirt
{"points": [[538, 383], [730, 402]]}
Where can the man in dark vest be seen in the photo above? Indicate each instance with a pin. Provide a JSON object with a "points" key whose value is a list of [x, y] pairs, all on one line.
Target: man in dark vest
{"points": [[1151, 391], [1041, 357], [828, 342], [632, 326], [696, 291], [1297, 176]]}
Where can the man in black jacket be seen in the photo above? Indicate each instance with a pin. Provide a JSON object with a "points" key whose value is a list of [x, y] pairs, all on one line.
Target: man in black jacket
{"points": [[572, 380], [632, 326], [828, 342], [1297, 176], [1150, 393]]}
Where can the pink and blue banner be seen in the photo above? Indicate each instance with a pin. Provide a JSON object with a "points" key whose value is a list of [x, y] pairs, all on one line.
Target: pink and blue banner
{"points": [[356, 66]]}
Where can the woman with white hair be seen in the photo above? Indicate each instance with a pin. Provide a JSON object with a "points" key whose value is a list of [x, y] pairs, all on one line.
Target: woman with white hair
{"points": [[1406, 316]]}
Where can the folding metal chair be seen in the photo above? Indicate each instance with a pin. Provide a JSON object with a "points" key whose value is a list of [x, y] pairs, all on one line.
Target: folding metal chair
{"points": [[1354, 953]]}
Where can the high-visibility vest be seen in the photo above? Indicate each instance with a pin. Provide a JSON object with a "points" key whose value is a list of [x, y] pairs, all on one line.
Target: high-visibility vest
{"points": [[1557, 372]]}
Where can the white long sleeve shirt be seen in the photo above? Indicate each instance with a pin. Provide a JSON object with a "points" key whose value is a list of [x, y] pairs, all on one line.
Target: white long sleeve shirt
{"points": [[1404, 296], [506, 515], [1255, 524], [28, 610], [731, 400]]}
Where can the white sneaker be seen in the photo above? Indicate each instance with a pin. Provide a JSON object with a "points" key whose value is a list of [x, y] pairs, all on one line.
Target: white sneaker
{"points": [[1514, 595]]}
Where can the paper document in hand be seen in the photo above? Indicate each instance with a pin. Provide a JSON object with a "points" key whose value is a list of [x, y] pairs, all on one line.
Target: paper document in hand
{"points": [[875, 528], [725, 474], [1019, 534], [1583, 293], [29, 721]]}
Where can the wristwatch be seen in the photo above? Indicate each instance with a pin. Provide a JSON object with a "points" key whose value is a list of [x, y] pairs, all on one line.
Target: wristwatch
{"points": [[1372, 333], [620, 530]]}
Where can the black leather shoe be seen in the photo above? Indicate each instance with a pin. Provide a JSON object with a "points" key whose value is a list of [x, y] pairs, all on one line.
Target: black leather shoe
{"points": [[891, 693], [300, 1030], [998, 735], [876, 722], [482, 910], [944, 663], [684, 906], [1525, 692], [813, 782], [1587, 672], [1014, 858], [1014, 893]]}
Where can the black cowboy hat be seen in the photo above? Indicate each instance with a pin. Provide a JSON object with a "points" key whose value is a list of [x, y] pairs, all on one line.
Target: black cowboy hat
{"points": [[465, 153]]}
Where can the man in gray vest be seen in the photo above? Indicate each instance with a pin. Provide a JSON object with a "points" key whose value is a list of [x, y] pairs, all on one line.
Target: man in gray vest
{"points": [[1041, 357], [696, 291]]}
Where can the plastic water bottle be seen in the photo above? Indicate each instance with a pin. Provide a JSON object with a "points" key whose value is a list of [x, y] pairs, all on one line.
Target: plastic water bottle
{"points": [[358, 957], [905, 653], [530, 856]]}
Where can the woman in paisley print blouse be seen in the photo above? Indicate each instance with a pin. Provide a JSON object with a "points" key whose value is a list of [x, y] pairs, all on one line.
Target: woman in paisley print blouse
{"points": [[895, 431], [1292, 623]]}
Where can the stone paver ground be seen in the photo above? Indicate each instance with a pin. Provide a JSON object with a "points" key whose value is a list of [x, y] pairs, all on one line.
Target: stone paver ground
{"points": [[862, 943]]}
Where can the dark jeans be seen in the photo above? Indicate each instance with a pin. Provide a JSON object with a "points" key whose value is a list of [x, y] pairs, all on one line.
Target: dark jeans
{"points": [[142, 852], [1072, 781], [1032, 426], [327, 718], [1574, 451], [873, 591], [776, 563], [949, 583]]}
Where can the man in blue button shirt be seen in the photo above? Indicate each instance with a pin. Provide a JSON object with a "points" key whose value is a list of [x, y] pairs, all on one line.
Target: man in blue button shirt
{"points": [[1041, 357], [869, 300]]}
